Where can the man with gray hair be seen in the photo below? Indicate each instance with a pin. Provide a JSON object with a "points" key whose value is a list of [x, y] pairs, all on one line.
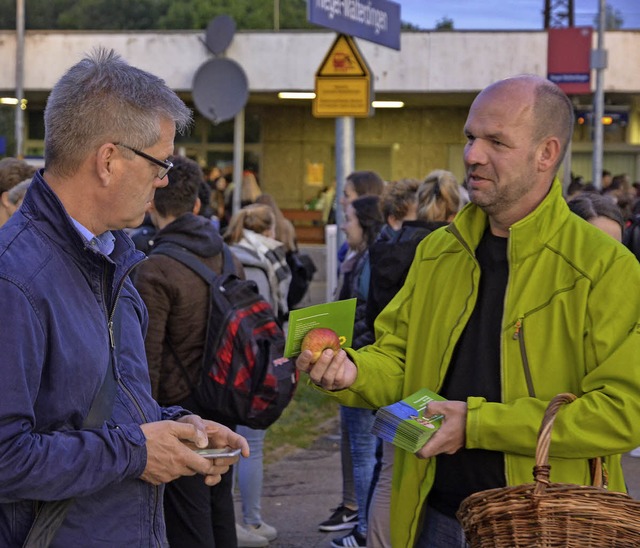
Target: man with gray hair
{"points": [[77, 419]]}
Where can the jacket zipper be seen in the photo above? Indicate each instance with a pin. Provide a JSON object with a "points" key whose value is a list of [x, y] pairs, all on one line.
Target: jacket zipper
{"points": [[518, 335], [130, 395]]}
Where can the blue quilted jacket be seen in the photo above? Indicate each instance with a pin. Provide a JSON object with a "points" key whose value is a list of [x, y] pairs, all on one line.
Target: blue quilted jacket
{"points": [[56, 296]]}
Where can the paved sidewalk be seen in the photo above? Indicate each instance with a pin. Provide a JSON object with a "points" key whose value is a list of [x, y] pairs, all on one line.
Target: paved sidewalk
{"points": [[300, 490]]}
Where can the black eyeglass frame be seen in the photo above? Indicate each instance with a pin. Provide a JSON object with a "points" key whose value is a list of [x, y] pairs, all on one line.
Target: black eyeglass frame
{"points": [[166, 165]]}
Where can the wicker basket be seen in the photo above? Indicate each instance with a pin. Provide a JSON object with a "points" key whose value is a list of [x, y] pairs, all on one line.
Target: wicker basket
{"points": [[551, 514]]}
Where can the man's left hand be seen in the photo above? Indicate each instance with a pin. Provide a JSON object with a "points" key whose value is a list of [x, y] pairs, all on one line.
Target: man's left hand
{"points": [[451, 435], [217, 436]]}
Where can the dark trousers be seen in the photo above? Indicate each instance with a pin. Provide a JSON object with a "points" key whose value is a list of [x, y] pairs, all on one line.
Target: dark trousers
{"points": [[440, 531], [199, 516]]}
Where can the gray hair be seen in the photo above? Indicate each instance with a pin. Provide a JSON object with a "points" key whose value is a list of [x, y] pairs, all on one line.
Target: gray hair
{"points": [[104, 99]]}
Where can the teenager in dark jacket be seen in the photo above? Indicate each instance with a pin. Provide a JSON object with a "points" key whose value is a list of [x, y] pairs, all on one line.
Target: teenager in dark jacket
{"points": [[198, 516]]}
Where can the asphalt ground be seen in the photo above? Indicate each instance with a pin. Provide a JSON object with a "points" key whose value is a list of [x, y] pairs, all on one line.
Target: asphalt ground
{"points": [[301, 489]]}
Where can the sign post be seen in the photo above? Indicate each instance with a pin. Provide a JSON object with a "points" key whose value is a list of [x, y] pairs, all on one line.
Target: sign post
{"points": [[343, 83]]}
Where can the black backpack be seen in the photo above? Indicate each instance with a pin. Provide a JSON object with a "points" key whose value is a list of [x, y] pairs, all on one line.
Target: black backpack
{"points": [[245, 378]]}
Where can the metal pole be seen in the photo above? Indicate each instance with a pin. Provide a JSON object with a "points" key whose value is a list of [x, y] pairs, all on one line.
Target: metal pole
{"points": [[276, 15], [331, 242], [345, 161], [599, 62], [19, 113], [238, 160]]}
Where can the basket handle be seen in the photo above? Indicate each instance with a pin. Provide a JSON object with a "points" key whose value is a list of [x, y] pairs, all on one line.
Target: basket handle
{"points": [[541, 469]]}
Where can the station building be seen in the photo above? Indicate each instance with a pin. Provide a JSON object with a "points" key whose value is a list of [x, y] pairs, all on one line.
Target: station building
{"points": [[435, 74]]}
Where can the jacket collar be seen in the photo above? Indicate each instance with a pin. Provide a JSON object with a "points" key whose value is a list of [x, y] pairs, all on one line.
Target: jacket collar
{"points": [[528, 235], [44, 210]]}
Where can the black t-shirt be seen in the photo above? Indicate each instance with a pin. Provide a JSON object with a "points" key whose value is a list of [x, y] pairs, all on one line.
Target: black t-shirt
{"points": [[475, 371]]}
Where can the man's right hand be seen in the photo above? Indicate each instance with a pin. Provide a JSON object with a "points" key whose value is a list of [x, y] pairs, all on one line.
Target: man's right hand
{"points": [[332, 371]]}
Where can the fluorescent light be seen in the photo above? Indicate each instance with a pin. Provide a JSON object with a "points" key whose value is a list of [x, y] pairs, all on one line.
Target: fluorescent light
{"points": [[296, 95], [387, 104], [8, 101]]}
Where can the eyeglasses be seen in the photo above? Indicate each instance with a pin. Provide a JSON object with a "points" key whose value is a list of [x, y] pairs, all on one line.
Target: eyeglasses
{"points": [[166, 165]]}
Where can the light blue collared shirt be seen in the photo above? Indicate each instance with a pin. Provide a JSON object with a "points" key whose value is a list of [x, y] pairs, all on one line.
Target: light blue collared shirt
{"points": [[103, 243]]}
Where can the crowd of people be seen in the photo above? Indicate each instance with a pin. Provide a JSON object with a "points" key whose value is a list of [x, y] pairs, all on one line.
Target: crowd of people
{"points": [[448, 276]]}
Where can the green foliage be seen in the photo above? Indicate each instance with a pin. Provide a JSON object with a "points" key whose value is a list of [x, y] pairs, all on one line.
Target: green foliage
{"points": [[112, 15], [405, 25], [248, 14], [446, 23], [152, 14], [613, 19]]}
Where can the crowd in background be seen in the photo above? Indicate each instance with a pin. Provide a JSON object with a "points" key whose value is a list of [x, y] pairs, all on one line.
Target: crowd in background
{"points": [[384, 224]]}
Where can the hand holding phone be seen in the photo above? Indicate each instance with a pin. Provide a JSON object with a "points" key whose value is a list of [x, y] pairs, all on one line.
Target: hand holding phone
{"points": [[222, 453]]}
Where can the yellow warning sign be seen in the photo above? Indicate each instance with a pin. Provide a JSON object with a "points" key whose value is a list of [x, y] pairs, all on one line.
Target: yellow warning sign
{"points": [[343, 59], [342, 97], [343, 82]]}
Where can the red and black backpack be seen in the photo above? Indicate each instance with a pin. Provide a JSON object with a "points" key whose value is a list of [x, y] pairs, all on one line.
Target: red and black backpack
{"points": [[245, 378]]}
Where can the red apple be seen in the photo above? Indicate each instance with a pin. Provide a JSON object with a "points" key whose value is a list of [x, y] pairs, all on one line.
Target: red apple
{"points": [[318, 339]]}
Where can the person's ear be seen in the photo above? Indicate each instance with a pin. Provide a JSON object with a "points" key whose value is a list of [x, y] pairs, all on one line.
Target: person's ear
{"points": [[105, 162], [548, 154], [4, 200], [196, 206]]}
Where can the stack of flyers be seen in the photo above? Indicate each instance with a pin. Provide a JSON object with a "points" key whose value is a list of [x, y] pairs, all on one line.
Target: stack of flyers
{"points": [[403, 423]]}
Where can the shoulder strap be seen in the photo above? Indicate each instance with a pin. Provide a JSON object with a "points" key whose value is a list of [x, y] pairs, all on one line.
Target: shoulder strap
{"points": [[228, 265], [190, 260], [102, 405], [51, 514]]}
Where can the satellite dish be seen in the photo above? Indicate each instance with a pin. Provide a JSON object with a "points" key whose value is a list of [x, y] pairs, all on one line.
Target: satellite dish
{"points": [[220, 89], [219, 34]]}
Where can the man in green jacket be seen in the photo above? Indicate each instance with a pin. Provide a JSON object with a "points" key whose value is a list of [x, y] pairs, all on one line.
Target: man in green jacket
{"points": [[514, 302]]}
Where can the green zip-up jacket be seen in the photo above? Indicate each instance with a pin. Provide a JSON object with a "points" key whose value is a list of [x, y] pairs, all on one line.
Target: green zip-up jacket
{"points": [[571, 312]]}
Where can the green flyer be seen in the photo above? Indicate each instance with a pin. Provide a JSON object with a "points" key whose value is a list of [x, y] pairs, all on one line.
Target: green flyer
{"points": [[337, 315]]}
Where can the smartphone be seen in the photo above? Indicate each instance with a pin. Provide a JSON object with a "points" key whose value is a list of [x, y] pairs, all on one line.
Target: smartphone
{"points": [[224, 452]]}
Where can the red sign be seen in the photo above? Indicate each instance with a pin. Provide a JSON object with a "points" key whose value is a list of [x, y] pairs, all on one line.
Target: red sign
{"points": [[569, 59]]}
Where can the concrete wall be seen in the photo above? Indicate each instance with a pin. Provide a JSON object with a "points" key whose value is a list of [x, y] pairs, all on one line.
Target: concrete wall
{"points": [[437, 72], [417, 141], [428, 61]]}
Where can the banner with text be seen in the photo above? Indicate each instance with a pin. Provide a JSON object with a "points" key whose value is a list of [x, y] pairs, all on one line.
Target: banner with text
{"points": [[569, 59]]}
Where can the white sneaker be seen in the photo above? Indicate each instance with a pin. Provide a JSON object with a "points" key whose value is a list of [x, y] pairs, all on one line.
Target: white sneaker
{"points": [[247, 539], [635, 452], [264, 530]]}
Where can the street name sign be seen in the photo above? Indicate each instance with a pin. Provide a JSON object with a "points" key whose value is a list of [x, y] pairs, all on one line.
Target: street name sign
{"points": [[377, 21]]}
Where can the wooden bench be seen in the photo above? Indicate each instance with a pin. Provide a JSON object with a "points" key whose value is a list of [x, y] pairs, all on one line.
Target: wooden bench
{"points": [[308, 224]]}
